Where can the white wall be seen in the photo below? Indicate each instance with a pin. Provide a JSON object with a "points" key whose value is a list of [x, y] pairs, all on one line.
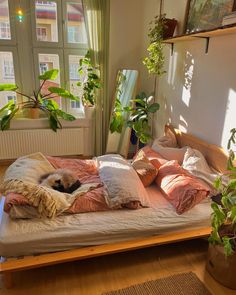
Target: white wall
{"points": [[198, 94]]}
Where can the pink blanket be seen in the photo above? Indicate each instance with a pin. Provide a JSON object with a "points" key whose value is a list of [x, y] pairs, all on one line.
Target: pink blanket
{"points": [[87, 172], [181, 189]]}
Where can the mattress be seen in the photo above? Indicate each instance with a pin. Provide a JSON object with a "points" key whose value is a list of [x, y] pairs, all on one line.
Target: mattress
{"points": [[35, 236]]}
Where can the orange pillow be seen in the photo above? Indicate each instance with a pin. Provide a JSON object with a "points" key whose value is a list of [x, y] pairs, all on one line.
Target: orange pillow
{"points": [[146, 171], [155, 158]]}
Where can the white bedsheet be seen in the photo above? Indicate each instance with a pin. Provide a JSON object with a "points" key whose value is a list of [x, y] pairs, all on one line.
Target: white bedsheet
{"points": [[26, 237]]}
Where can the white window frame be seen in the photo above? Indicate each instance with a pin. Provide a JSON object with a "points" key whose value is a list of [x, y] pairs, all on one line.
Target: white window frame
{"points": [[65, 22], [46, 44], [12, 41], [68, 52]]}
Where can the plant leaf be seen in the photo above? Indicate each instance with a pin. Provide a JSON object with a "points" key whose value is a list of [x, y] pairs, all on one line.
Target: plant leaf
{"points": [[65, 116], [63, 93], [227, 246], [153, 107], [49, 75], [8, 87]]}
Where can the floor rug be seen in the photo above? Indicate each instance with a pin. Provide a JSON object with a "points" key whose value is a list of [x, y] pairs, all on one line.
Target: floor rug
{"points": [[180, 284]]}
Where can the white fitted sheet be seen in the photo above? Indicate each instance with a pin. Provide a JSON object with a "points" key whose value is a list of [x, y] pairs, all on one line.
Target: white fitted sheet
{"points": [[33, 236]]}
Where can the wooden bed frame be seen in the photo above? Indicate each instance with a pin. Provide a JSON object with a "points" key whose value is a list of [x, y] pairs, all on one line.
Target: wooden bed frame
{"points": [[215, 156]]}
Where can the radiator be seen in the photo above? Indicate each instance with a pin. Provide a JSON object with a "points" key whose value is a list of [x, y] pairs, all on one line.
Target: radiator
{"points": [[16, 143]]}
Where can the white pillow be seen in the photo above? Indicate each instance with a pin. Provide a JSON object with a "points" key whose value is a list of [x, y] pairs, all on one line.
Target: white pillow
{"points": [[195, 163], [121, 180], [170, 153]]}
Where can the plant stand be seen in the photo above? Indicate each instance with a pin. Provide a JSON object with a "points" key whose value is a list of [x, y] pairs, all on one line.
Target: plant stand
{"points": [[220, 267], [89, 112]]}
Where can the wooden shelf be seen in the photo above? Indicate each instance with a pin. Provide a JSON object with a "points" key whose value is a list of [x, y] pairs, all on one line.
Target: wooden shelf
{"points": [[226, 30]]}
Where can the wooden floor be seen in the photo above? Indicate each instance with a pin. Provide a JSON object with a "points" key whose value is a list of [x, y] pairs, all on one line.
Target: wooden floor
{"points": [[97, 275]]}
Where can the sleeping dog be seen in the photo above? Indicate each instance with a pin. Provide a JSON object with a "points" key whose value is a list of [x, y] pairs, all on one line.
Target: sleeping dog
{"points": [[61, 180]]}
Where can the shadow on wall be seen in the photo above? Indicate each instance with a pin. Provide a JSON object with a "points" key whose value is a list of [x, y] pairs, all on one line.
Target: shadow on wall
{"points": [[196, 92]]}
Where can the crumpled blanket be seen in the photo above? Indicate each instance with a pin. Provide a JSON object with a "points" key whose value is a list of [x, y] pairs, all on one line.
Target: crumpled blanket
{"points": [[25, 198], [21, 179]]}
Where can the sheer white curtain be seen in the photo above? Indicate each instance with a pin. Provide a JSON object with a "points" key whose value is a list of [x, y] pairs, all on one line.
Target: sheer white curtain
{"points": [[97, 15]]}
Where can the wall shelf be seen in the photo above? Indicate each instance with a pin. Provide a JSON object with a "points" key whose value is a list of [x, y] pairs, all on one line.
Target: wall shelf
{"points": [[226, 30]]}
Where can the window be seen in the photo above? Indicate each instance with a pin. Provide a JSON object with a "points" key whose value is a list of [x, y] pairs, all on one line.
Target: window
{"points": [[58, 41], [11, 97], [8, 69], [7, 75], [5, 31]]}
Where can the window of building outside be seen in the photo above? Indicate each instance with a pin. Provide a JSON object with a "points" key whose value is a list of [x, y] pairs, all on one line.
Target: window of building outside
{"points": [[55, 30]]}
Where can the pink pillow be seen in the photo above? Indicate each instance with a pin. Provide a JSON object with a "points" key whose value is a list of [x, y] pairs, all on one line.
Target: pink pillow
{"points": [[181, 189], [146, 171], [155, 158]]}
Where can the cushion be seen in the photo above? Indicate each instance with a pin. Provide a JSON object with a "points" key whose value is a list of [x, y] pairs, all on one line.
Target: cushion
{"points": [[170, 153], [122, 182], [146, 171], [155, 158], [180, 188]]}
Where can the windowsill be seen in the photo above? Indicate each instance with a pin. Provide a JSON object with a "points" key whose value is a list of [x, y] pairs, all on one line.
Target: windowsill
{"points": [[42, 123]]}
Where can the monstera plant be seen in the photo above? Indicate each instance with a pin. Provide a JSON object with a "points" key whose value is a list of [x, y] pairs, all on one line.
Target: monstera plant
{"points": [[38, 100]]}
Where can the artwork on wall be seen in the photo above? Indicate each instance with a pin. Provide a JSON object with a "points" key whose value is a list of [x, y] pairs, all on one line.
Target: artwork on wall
{"points": [[207, 14]]}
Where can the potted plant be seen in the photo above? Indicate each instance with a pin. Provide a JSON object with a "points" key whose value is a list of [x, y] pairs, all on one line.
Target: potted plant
{"points": [[221, 262], [160, 28], [137, 115], [90, 82], [39, 101]]}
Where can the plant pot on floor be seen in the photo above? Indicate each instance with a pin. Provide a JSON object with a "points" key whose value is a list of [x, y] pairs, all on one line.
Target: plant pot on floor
{"points": [[221, 267], [89, 112]]}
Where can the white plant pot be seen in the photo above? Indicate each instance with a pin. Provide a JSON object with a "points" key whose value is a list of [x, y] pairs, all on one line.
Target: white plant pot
{"points": [[89, 112]]}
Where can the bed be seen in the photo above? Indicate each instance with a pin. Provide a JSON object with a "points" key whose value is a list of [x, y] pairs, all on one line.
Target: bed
{"points": [[49, 242]]}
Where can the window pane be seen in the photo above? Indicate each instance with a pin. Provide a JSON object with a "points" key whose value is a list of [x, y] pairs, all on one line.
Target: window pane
{"points": [[76, 32], [74, 79], [46, 21], [5, 31], [48, 62], [6, 76]]}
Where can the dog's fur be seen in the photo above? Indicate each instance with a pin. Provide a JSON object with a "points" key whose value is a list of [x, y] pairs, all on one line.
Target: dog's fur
{"points": [[61, 180]]}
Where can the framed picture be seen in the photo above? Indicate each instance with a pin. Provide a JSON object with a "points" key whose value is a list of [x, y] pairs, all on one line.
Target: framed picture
{"points": [[202, 15]]}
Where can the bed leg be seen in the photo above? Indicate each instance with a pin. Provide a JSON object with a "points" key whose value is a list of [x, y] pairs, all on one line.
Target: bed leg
{"points": [[7, 280]]}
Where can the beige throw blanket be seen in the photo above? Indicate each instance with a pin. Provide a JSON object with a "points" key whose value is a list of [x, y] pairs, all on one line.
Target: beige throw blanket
{"points": [[22, 178]]}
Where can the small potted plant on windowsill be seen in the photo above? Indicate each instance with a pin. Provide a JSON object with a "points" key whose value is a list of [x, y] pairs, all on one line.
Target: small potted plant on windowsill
{"points": [[221, 262], [90, 83], [39, 101]]}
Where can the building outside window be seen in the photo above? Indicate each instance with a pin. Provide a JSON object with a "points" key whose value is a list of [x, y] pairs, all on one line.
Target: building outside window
{"points": [[5, 30]]}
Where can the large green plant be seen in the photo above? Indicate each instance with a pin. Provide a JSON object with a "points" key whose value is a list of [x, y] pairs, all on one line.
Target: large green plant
{"points": [[89, 80], [137, 115], [224, 214], [39, 100]]}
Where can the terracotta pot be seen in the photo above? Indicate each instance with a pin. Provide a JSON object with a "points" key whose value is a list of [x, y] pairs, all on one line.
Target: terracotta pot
{"points": [[34, 113], [169, 29], [220, 267], [89, 111]]}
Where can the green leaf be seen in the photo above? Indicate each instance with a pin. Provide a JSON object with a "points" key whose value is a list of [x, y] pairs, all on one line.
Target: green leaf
{"points": [[217, 183], [65, 116], [54, 122], [5, 121], [8, 87], [153, 107], [49, 75], [227, 246], [63, 93], [8, 106]]}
